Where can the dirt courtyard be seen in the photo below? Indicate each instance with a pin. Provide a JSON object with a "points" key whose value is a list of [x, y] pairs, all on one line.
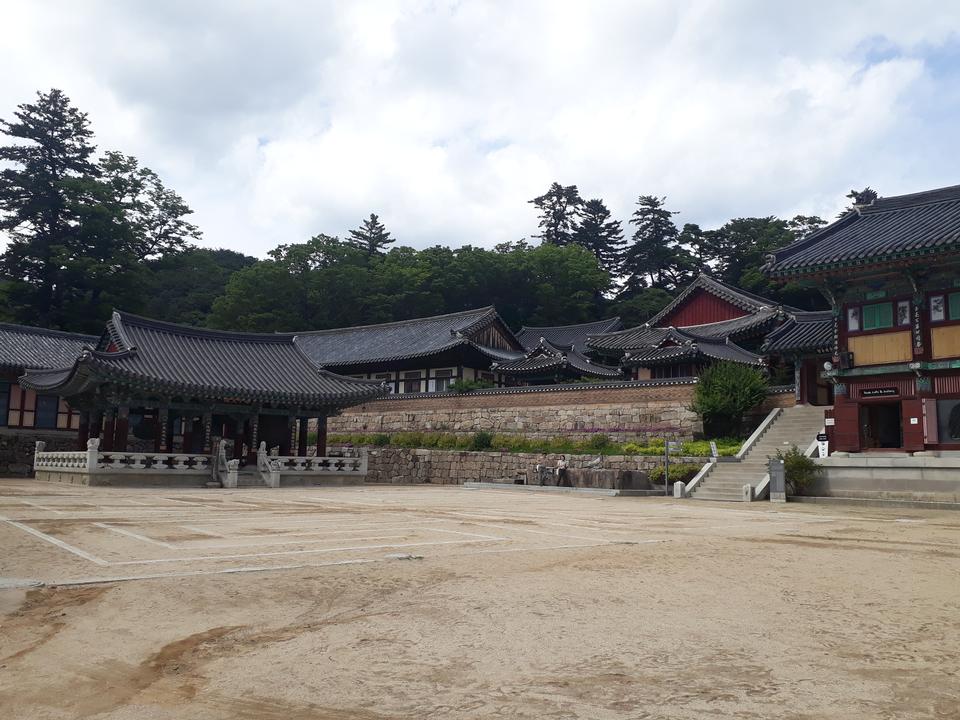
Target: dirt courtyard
{"points": [[443, 602]]}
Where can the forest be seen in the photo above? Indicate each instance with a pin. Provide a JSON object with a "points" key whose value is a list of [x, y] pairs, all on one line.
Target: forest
{"points": [[89, 231]]}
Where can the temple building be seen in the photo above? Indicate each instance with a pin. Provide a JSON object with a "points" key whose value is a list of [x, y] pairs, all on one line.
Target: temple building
{"points": [[25, 411], [708, 322], [556, 354], [155, 387], [419, 355], [891, 270]]}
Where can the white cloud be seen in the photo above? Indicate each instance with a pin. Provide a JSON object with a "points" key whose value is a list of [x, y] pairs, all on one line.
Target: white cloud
{"points": [[277, 121]]}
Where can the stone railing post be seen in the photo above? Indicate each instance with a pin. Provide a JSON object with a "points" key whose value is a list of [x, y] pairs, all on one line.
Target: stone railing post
{"points": [[93, 454], [230, 479]]}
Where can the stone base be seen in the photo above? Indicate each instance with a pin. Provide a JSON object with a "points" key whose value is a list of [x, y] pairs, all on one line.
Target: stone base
{"points": [[919, 478], [325, 480], [159, 480]]}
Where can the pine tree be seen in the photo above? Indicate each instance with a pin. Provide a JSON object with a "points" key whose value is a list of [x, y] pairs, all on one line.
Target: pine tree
{"points": [[600, 235], [39, 197], [559, 211], [371, 236], [654, 258]]}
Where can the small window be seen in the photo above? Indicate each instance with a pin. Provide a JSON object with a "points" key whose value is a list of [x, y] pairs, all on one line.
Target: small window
{"points": [[444, 379], [954, 306], [903, 313], [853, 319], [411, 382], [937, 308], [47, 407], [878, 316]]}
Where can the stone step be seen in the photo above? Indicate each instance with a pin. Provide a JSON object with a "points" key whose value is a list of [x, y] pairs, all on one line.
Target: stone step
{"points": [[714, 496]]}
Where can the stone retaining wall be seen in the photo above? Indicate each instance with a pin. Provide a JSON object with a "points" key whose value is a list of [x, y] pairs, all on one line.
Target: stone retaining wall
{"points": [[452, 467], [624, 412], [628, 411], [17, 447]]}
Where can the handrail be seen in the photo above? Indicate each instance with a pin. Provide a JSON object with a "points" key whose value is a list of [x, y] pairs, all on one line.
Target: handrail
{"points": [[756, 435]]}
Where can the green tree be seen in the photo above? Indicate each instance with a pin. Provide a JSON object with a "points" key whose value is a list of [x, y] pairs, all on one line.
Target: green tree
{"points": [[725, 393], [559, 209], [371, 237], [601, 235], [803, 225], [654, 257], [39, 200]]}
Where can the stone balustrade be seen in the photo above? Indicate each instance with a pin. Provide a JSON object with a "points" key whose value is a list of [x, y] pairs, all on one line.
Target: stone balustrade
{"points": [[92, 461], [332, 465], [59, 460]]}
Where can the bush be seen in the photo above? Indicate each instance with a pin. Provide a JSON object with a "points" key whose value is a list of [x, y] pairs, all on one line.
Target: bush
{"points": [[799, 470], [725, 392], [632, 449], [679, 472], [465, 386], [482, 440], [598, 443], [380, 440]]}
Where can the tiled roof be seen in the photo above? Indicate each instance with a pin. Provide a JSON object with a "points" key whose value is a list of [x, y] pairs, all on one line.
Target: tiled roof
{"points": [[810, 332], [646, 335], [689, 347], [23, 347], [901, 227], [547, 356], [746, 301], [163, 357], [567, 335], [418, 337]]}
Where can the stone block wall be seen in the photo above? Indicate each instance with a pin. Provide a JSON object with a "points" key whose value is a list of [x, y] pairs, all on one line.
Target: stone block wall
{"points": [[452, 467], [623, 411], [17, 447]]}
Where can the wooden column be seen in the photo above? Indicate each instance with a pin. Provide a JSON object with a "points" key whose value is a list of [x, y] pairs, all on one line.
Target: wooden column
{"points": [[322, 436], [121, 429], [168, 433], [239, 437], [207, 432], [160, 431], [109, 431], [83, 434], [302, 437], [253, 433], [287, 440]]}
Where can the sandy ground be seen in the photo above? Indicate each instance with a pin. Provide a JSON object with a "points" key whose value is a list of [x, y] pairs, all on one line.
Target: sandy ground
{"points": [[306, 603]]}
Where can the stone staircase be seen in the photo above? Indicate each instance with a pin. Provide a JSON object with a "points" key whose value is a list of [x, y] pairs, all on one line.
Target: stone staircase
{"points": [[249, 477], [796, 425]]}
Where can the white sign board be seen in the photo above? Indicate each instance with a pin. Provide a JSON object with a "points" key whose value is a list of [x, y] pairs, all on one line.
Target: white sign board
{"points": [[823, 447]]}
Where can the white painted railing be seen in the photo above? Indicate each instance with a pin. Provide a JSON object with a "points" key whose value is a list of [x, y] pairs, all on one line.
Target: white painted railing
{"points": [[321, 465], [93, 461]]}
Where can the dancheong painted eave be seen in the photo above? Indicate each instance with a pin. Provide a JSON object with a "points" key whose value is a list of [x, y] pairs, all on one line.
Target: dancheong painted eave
{"points": [[150, 356]]}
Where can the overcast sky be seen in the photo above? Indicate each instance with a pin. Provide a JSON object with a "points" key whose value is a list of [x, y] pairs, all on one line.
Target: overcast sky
{"points": [[279, 120]]}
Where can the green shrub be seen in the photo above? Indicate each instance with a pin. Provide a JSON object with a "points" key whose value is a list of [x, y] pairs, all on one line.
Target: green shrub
{"points": [[725, 392], [679, 472], [799, 470], [380, 440], [631, 449], [407, 439], [599, 443], [447, 441], [482, 440], [465, 386]]}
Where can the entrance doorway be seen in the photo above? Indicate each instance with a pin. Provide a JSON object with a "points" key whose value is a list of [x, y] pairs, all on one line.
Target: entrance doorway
{"points": [[881, 425]]}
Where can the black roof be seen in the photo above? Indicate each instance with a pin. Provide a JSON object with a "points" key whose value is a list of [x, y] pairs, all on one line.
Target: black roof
{"points": [[804, 332], [23, 347], [746, 301], [677, 344], [393, 341], [166, 358], [894, 228], [576, 335], [547, 357]]}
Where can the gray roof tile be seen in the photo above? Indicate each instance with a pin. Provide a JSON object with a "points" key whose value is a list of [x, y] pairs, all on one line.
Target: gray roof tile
{"points": [[23, 347], [891, 228], [566, 335]]}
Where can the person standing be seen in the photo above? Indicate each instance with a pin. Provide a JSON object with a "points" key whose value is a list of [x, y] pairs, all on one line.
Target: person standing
{"points": [[562, 472]]}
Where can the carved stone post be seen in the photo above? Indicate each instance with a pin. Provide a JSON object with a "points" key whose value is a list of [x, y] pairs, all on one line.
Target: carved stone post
{"points": [[207, 430]]}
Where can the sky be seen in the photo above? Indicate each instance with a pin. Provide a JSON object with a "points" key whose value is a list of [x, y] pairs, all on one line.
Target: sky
{"points": [[279, 120]]}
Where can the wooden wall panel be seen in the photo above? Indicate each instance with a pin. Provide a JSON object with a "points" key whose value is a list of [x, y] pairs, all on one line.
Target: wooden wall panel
{"points": [[945, 342], [699, 309], [881, 348]]}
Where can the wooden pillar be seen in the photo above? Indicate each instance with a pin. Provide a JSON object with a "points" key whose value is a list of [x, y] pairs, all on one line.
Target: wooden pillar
{"points": [[160, 431], [322, 436], [239, 437], [207, 432], [83, 434], [302, 437], [121, 428], [253, 433], [286, 441], [168, 432], [109, 431]]}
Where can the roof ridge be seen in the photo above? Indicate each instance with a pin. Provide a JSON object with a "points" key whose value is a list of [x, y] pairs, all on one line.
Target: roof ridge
{"points": [[47, 331], [484, 310], [608, 321], [125, 319]]}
